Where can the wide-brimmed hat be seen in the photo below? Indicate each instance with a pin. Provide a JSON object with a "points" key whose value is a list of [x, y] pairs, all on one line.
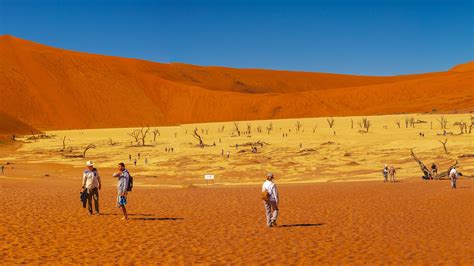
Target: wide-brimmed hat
{"points": [[90, 163]]}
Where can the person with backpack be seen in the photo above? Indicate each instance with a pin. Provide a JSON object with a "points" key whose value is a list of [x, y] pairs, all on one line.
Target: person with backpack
{"points": [[90, 187], [270, 200], [385, 173], [124, 185]]}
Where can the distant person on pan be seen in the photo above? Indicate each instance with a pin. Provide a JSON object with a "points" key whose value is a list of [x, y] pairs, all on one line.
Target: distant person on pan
{"points": [[91, 184], [391, 172], [453, 175], [270, 200], [122, 186], [385, 173], [3, 168], [434, 169]]}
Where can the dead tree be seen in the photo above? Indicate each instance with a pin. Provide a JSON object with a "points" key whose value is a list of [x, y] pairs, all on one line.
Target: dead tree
{"points": [[352, 123], [269, 128], [143, 133], [398, 124], [442, 122], [409, 121], [427, 173], [236, 126], [33, 134], [249, 128], [111, 142], [90, 146], [424, 169], [221, 129], [314, 128], [330, 122], [198, 137], [135, 134], [462, 127], [472, 124], [444, 145], [155, 132], [64, 143], [298, 126], [365, 124]]}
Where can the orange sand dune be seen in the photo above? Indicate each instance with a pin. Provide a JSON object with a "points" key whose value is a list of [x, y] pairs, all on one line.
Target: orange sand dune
{"points": [[10, 125], [52, 88]]}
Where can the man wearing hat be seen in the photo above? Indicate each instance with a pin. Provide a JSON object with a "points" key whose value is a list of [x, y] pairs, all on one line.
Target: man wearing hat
{"points": [[91, 183], [271, 201]]}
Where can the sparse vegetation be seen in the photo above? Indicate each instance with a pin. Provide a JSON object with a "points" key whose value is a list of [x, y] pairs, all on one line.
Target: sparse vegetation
{"points": [[443, 122], [331, 122]]}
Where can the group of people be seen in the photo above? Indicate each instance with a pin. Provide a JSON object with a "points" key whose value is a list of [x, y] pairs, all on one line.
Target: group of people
{"points": [[91, 185], [389, 172], [453, 174]]}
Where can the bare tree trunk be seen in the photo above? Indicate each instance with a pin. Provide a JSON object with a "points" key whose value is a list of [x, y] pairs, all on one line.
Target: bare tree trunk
{"points": [[444, 145], [198, 137], [425, 170], [64, 143], [236, 125], [90, 146]]}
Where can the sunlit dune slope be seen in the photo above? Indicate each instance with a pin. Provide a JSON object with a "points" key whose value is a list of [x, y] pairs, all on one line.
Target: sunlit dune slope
{"points": [[51, 88]]}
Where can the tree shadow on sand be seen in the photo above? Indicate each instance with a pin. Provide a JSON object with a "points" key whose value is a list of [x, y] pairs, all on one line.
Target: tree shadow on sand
{"points": [[301, 225], [156, 219]]}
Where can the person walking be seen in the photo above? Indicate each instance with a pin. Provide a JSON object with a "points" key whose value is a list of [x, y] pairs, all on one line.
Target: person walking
{"points": [[91, 185], [453, 175], [122, 188], [385, 173], [3, 168], [270, 200], [434, 170], [391, 172]]}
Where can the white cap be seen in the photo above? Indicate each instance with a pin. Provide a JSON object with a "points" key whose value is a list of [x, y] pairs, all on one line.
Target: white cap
{"points": [[90, 163]]}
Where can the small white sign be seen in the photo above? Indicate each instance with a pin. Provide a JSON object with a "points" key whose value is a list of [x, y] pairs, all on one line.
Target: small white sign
{"points": [[209, 177]]}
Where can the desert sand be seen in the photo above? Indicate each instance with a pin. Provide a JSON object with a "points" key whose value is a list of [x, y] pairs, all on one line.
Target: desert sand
{"points": [[52, 88], [334, 206], [411, 221]]}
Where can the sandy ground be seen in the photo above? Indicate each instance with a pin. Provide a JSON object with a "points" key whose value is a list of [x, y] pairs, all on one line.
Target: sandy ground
{"points": [[176, 218], [42, 221]]}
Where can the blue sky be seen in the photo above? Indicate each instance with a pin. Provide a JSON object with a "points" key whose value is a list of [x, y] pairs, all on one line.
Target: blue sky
{"points": [[356, 37]]}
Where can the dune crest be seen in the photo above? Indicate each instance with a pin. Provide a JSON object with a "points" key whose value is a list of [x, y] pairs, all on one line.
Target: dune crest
{"points": [[51, 88]]}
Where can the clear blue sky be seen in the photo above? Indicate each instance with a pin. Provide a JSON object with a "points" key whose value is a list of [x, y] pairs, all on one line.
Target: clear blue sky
{"points": [[358, 37]]}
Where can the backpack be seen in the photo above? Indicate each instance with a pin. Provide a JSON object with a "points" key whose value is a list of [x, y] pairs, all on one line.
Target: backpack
{"points": [[130, 183], [265, 195]]}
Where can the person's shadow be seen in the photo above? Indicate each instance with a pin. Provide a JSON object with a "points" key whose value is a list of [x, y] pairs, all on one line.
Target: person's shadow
{"points": [[301, 225]]}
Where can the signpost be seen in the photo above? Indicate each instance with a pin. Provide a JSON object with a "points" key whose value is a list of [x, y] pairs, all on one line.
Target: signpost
{"points": [[209, 177]]}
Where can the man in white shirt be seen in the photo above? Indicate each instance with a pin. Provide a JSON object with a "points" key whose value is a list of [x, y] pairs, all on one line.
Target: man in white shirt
{"points": [[453, 174], [271, 204], [91, 183]]}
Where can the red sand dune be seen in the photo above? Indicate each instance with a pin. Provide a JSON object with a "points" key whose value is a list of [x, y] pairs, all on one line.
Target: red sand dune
{"points": [[52, 88], [10, 125]]}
